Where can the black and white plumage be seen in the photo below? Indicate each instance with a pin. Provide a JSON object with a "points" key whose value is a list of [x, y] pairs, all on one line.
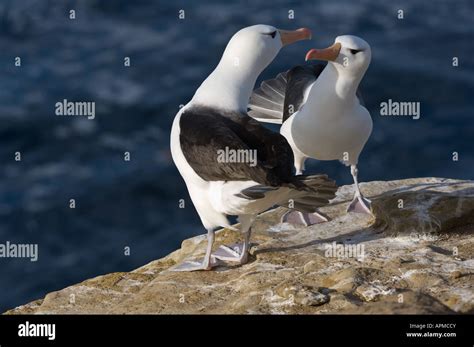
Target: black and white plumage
{"points": [[287, 90], [216, 119], [320, 108], [278, 98], [205, 131]]}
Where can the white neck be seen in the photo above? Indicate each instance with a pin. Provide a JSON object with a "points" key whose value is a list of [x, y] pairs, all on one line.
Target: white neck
{"points": [[333, 87], [228, 87]]}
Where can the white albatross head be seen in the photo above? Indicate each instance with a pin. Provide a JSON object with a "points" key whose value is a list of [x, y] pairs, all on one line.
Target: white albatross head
{"points": [[247, 54], [349, 54], [253, 48]]}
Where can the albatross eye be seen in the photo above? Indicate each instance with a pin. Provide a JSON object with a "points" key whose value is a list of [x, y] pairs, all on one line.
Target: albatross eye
{"points": [[354, 51], [272, 34]]}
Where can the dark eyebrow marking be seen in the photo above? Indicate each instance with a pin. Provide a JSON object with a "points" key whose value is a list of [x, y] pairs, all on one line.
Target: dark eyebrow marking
{"points": [[272, 34], [355, 51]]}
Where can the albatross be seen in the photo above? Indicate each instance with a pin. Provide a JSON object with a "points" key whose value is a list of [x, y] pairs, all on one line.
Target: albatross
{"points": [[321, 112], [216, 119]]}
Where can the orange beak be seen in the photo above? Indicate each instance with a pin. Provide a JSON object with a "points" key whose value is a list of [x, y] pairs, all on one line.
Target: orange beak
{"points": [[329, 53], [289, 37]]}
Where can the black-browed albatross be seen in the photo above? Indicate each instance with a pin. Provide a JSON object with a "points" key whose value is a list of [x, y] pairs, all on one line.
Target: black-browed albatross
{"points": [[216, 119], [322, 113]]}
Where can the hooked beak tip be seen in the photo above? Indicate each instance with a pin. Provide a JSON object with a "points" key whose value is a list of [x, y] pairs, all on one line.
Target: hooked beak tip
{"points": [[330, 53], [310, 54]]}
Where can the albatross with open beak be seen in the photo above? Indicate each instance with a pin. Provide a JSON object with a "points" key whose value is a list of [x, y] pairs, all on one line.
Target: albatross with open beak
{"points": [[322, 114], [216, 120]]}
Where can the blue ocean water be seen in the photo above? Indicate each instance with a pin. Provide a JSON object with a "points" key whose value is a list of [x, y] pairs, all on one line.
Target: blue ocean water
{"points": [[135, 204]]}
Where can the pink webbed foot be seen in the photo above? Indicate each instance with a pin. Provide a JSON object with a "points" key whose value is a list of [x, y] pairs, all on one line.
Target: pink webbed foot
{"points": [[303, 218]]}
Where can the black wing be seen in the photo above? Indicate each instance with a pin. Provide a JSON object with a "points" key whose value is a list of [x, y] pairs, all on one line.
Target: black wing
{"points": [[299, 79], [266, 103], [278, 98], [206, 132]]}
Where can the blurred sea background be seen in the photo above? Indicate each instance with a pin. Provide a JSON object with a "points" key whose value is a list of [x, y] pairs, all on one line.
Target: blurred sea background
{"points": [[135, 204]]}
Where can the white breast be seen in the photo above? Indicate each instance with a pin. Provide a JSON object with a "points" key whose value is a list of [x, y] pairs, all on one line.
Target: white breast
{"points": [[329, 127], [334, 139]]}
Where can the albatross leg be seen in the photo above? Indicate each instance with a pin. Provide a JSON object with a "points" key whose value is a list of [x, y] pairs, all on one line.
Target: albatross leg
{"points": [[237, 252], [359, 204], [206, 264]]}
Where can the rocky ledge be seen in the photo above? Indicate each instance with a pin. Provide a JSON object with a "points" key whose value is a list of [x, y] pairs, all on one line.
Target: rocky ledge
{"points": [[413, 256]]}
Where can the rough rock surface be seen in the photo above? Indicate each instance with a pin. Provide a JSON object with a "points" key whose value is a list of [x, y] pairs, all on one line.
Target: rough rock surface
{"points": [[414, 256]]}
